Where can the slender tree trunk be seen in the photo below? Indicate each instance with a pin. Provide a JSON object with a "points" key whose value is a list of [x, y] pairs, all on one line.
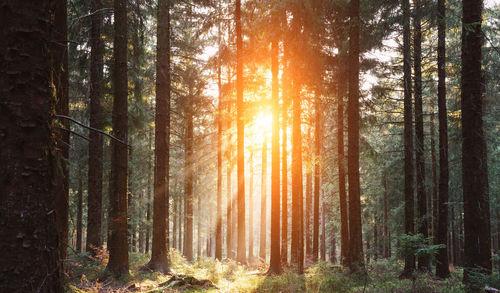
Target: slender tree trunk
{"points": [[29, 241], [323, 234], [355, 236], [375, 240], [333, 246], [474, 161], [308, 200], [117, 242], [188, 181], [344, 223], [95, 167], [180, 216], [198, 228], [442, 268], [386, 238], [317, 186], [240, 125], [251, 256], [159, 252], [141, 222], [218, 229], [434, 198], [408, 136], [423, 260], [275, 258], [263, 202], [148, 208], [79, 214], [175, 225], [59, 52], [286, 86]]}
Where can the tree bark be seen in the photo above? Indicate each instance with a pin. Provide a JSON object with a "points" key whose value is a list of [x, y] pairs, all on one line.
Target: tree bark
{"points": [[95, 167], [355, 236], [317, 186], [275, 258], [286, 86], [117, 242], [79, 214], [218, 229], [263, 202], [442, 267], [474, 161], [308, 199], [188, 179], [240, 125], [29, 241], [408, 136], [251, 256]]}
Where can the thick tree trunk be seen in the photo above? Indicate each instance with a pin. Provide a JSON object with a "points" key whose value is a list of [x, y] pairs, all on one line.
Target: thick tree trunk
{"points": [[159, 250], [441, 231], [95, 167], [474, 161], [355, 236], [240, 125], [275, 258], [117, 242], [408, 136], [263, 202], [29, 241]]}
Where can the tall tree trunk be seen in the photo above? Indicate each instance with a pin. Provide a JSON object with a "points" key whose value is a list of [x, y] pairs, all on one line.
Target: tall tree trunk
{"points": [[308, 199], [95, 167], [263, 202], [275, 258], [79, 214], [408, 136], [442, 268], [355, 236], [240, 125], [159, 251], [251, 256], [474, 161], [286, 86], [323, 234], [29, 241], [422, 227], [188, 181], [174, 226], [198, 224], [344, 223], [180, 216], [218, 218], [148, 208], [434, 198], [386, 238], [59, 52], [317, 186], [117, 242]]}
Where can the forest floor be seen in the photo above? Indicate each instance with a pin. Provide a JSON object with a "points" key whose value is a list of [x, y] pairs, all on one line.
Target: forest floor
{"points": [[89, 275]]}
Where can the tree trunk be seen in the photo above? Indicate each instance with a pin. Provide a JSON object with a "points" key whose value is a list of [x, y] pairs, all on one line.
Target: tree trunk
{"points": [[59, 52], [275, 258], [148, 208], [29, 241], [240, 125], [355, 236], [344, 223], [408, 136], [174, 226], [474, 161], [441, 232], [117, 242], [198, 224], [386, 238], [95, 167], [218, 218], [317, 186], [323, 234], [423, 261], [308, 200], [79, 215], [159, 252], [434, 198], [188, 180], [251, 232], [286, 85], [263, 202]]}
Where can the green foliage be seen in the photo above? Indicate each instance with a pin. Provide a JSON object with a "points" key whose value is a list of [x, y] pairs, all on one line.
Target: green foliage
{"points": [[417, 245], [478, 279]]}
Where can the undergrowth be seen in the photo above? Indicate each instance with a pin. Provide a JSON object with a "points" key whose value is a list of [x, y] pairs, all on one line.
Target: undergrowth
{"points": [[88, 274]]}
